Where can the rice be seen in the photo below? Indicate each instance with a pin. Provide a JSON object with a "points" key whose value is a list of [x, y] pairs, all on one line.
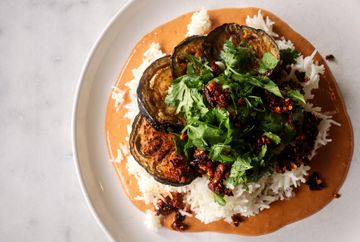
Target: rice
{"points": [[200, 23], [150, 189], [258, 22], [118, 96], [153, 53], [283, 44], [248, 200], [312, 73], [324, 127]]}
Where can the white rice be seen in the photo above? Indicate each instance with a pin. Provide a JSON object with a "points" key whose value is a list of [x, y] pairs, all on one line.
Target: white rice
{"points": [[200, 23], [150, 189], [255, 197], [312, 73], [248, 201], [258, 22], [118, 96], [283, 44]]}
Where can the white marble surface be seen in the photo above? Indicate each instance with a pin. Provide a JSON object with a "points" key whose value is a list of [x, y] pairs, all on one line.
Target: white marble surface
{"points": [[43, 46]]}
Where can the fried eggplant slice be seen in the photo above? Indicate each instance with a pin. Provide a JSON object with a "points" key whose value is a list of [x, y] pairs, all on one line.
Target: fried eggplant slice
{"points": [[155, 151], [152, 91], [193, 45], [260, 41]]}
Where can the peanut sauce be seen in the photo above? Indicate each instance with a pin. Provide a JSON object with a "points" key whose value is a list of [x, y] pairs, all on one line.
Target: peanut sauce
{"points": [[331, 161]]}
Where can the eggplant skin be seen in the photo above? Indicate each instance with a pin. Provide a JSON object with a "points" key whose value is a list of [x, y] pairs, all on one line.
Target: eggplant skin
{"points": [[151, 93], [259, 40], [155, 151], [193, 45]]}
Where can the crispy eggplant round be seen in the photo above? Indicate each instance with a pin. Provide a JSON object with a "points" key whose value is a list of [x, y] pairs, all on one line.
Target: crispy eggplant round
{"points": [[155, 151], [152, 91], [193, 45], [260, 41]]}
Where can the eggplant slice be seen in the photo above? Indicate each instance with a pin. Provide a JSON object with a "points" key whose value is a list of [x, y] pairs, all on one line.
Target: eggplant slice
{"points": [[193, 45], [155, 151], [152, 91], [260, 41]]}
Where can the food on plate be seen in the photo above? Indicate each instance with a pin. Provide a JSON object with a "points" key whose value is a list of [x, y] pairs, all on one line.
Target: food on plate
{"points": [[194, 46], [229, 127], [153, 85], [156, 152]]}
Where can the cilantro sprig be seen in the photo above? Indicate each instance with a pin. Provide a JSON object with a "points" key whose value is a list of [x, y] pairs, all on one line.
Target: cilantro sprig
{"points": [[214, 129]]}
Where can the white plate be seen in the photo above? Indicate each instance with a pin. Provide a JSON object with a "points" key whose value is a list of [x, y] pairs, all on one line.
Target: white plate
{"points": [[116, 215]]}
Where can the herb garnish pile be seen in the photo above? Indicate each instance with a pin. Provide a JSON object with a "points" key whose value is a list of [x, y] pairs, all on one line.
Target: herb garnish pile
{"points": [[240, 112]]}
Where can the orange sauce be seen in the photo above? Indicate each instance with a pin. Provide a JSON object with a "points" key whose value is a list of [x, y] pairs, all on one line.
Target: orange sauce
{"points": [[332, 161]]}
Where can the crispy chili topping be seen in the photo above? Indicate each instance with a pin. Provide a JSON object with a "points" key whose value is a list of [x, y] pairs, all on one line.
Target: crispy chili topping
{"points": [[183, 136], [216, 171], [215, 95], [177, 200], [279, 105], [215, 68], [336, 195], [228, 192], [314, 182], [307, 130], [216, 183], [168, 206], [178, 223], [164, 207], [330, 57], [181, 170], [301, 76], [262, 140], [237, 219], [202, 163], [295, 155]]}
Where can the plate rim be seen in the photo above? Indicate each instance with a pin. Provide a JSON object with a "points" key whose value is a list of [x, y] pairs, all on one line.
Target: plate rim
{"points": [[75, 107]]}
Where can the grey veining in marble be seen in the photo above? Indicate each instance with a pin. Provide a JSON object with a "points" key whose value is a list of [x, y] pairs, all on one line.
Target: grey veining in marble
{"points": [[43, 45]]}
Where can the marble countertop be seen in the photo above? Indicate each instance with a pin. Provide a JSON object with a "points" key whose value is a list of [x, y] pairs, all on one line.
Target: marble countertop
{"points": [[43, 46]]}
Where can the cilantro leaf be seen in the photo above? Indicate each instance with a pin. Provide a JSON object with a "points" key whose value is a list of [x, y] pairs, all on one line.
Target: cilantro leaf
{"points": [[238, 170], [271, 122], [289, 56], [260, 157], [185, 98], [222, 153], [203, 135], [255, 103], [262, 153], [239, 57], [267, 62], [179, 95], [296, 96], [263, 82], [270, 86], [214, 130], [219, 199], [220, 118], [273, 137]]}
